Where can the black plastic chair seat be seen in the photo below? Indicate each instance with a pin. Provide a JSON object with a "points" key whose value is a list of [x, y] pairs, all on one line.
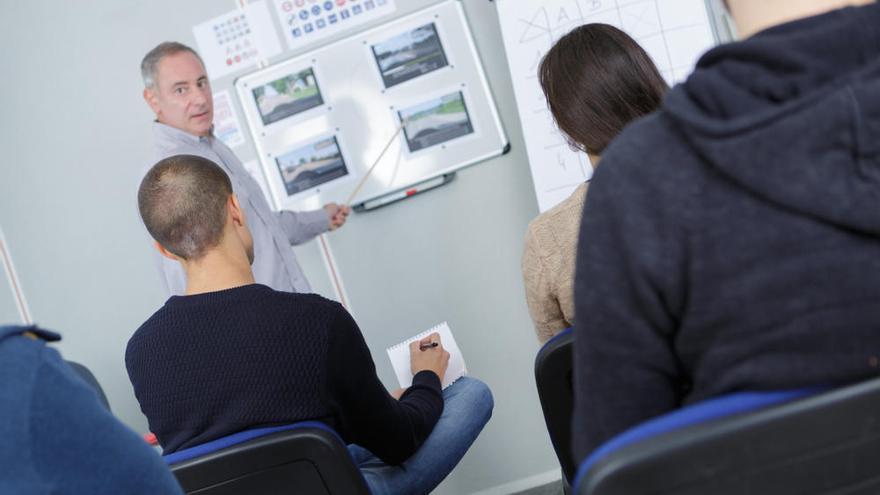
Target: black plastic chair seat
{"points": [[303, 460]]}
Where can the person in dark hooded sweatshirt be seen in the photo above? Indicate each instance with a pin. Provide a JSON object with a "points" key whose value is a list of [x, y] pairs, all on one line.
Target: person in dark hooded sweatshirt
{"points": [[734, 235]]}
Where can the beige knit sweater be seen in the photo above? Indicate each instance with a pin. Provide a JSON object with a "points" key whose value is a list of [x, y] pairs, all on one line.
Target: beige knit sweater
{"points": [[548, 265]]}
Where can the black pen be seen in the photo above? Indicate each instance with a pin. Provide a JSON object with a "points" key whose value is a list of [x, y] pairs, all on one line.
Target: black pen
{"points": [[422, 347]]}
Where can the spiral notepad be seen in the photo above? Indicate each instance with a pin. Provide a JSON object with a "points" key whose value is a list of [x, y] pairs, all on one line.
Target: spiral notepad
{"points": [[399, 355]]}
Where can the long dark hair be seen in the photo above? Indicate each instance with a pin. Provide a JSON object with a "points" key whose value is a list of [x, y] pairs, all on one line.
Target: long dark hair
{"points": [[597, 80]]}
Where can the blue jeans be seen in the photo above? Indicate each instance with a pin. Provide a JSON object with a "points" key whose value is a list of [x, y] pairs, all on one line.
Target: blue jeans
{"points": [[467, 407]]}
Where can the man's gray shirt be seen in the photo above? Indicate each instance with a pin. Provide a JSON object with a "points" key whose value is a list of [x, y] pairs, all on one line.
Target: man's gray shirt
{"points": [[274, 232]]}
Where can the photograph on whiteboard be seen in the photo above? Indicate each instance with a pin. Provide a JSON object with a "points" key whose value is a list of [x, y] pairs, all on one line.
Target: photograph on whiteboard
{"points": [[311, 165], [409, 55], [292, 94], [436, 121]]}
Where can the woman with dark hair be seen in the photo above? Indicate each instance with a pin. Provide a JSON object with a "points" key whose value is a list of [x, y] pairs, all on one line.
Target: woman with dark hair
{"points": [[596, 80]]}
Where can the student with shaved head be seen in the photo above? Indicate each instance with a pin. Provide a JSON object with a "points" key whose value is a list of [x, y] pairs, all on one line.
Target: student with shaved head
{"points": [[231, 354]]}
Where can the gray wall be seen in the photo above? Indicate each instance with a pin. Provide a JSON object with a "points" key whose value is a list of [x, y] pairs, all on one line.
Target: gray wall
{"points": [[8, 308], [76, 138]]}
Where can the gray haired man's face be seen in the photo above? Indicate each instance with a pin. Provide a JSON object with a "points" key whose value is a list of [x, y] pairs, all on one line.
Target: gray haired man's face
{"points": [[182, 95]]}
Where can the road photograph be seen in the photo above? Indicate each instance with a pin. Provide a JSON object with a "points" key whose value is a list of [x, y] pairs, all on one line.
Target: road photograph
{"points": [[287, 96], [311, 165], [436, 121], [409, 55]]}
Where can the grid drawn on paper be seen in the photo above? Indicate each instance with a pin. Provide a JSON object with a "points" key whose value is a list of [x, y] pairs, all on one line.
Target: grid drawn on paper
{"points": [[536, 30], [641, 19]]}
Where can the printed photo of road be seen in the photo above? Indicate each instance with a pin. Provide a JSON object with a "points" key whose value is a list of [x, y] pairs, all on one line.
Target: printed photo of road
{"points": [[436, 121], [290, 95], [311, 166], [409, 55]]}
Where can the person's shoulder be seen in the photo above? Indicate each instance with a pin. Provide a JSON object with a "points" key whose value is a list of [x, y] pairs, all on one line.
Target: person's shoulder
{"points": [[568, 208], [308, 302], [305, 297], [19, 355], [314, 312], [555, 220], [168, 148], [145, 331], [652, 137], [168, 141], [649, 155], [174, 149]]}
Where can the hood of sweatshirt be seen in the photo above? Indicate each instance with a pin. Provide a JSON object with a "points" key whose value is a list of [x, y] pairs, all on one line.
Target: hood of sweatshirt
{"points": [[792, 115]]}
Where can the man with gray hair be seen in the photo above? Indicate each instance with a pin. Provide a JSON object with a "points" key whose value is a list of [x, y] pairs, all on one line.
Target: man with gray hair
{"points": [[177, 89]]}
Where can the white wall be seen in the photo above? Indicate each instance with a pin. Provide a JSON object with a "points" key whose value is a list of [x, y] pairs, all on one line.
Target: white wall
{"points": [[76, 136]]}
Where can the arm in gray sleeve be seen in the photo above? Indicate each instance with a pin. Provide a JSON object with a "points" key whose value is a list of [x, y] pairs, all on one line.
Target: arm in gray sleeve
{"points": [[303, 226]]}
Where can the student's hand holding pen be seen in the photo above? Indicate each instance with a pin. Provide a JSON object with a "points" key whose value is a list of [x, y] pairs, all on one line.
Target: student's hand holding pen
{"points": [[429, 354]]}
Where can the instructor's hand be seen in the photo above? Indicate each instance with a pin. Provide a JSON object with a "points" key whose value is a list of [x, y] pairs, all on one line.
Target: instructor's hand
{"points": [[429, 354], [337, 214]]}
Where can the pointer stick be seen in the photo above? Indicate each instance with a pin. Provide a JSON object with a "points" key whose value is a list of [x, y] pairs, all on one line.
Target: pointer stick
{"points": [[370, 170]]}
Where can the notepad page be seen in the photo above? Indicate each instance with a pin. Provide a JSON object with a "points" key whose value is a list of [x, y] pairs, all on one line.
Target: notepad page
{"points": [[399, 355]]}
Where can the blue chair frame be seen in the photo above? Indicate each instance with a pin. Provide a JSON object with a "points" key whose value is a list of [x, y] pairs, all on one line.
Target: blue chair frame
{"points": [[803, 442], [307, 457]]}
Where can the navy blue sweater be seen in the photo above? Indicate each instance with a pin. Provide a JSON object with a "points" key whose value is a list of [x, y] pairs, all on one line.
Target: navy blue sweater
{"points": [[731, 241], [209, 365], [57, 437]]}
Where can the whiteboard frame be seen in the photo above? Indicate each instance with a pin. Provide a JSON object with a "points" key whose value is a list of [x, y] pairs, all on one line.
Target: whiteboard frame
{"points": [[362, 134]]}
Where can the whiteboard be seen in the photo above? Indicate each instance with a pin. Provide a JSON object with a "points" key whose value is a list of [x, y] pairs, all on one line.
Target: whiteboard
{"points": [[319, 120], [673, 32]]}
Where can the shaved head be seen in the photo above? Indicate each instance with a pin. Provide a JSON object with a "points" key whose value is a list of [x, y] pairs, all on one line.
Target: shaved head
{"points": [[182, 201]]}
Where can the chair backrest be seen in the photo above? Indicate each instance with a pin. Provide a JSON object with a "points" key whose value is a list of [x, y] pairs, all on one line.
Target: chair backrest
{"points": [[553, 377], [827, 443], [307, 457], [90, 380]]}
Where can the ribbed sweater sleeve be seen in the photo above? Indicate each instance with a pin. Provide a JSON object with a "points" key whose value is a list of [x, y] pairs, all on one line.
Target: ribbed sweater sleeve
{"points": [[392, 430]]}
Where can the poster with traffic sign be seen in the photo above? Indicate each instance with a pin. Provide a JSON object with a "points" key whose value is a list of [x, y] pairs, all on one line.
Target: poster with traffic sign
{"points": [[306, 21]]}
